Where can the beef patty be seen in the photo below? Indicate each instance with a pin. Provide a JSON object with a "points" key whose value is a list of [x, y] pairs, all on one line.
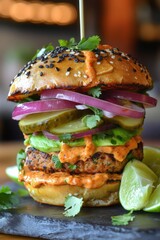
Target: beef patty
{"points": [[98, 163]]}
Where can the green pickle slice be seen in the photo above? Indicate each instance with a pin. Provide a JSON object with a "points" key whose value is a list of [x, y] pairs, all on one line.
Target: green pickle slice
{"points": [[76, 125], [43, 121], [127, 122]]}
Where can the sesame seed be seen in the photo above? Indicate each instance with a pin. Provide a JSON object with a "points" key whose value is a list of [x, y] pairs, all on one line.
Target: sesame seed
{"points": [[98, 63], [81, 55], [76, 60], [72, 52], [57, 69], [41, 74], [134, 70], [75, 75], [53, 55], [41, 66], [102, 52], [113, 56], [60, 60], [123, 54], [81, 60], [28, 73], [79, 74], [51, 65], [67, 73], [47, 66], [85, 76], [69, 69], [111, 62], [100, 58]]}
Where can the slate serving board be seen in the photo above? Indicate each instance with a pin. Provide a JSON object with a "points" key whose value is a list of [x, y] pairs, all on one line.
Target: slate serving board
{"points": [[48, 222]]}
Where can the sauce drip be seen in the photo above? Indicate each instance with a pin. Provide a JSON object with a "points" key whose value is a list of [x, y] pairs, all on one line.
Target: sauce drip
{"points": [[74, 154], [39, 178]]}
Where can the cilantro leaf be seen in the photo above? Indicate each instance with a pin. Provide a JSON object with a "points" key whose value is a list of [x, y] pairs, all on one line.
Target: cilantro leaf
{"points": [[44, 49], [85, 44], [89, 43], [123, 219], [69, 44], [95, 92], [96, 111], [8, 199], [91, 121], [72, 166], [72, 205], [21, 155], [57, 162]]}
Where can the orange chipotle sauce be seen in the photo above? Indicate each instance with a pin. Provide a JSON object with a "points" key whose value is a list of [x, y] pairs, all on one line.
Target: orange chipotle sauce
{"points": [[74, 154], [38, 178]]}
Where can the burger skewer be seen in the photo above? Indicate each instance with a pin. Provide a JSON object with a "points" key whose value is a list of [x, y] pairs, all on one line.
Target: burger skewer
{"points": [[81, 19]]}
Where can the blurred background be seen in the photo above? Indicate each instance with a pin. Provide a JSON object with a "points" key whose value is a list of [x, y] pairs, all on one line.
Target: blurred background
{"points": [[26, 25]]}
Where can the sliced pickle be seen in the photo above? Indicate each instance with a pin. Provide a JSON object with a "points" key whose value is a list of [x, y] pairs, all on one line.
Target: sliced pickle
{"points": [[127, 122], [43, 121], [73, 126]]}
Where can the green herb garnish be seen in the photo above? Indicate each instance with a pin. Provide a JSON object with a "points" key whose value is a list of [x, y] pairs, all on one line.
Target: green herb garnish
{"points": [[8, 199], [85, 44], [91, 121], [96, 111], [43, 50], [123, 219], [57, 162], [71, 43], [72, 166], [21, 155], [95, 92], [89, 43], [72, 205]]}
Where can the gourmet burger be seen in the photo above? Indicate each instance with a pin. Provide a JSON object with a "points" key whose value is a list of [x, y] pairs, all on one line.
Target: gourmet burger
{"points": [[81, 112]]}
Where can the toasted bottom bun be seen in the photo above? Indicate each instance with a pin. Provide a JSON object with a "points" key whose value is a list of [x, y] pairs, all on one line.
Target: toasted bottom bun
{"points": [[55, 195]]}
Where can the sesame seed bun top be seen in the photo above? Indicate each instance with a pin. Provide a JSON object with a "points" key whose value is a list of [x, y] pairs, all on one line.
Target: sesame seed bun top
{"points": [[80, 70]]}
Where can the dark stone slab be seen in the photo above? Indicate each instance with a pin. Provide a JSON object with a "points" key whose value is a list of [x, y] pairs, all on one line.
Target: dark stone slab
{"points": [[33, 219]]}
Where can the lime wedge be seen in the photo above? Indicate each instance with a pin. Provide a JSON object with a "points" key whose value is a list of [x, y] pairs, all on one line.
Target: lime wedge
{"points": [[12, 173], [154, 201], [137, 185], [152, 159]]}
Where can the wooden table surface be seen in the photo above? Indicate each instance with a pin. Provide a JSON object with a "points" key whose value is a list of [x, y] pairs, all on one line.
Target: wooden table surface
{"points": [[8, 151]]}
